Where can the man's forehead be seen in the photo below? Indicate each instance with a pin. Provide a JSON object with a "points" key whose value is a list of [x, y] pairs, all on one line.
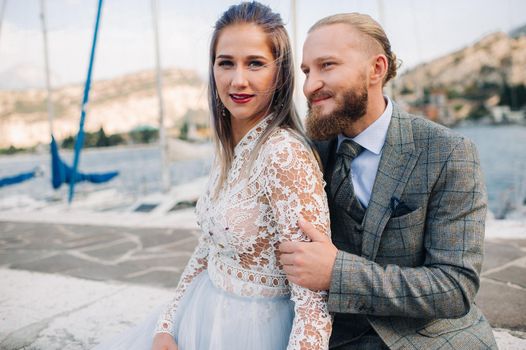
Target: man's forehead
{"points": [[333, 38], [337, 35]]}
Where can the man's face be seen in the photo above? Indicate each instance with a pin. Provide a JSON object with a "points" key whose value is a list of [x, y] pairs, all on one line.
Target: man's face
{"points": [[335, 63]]}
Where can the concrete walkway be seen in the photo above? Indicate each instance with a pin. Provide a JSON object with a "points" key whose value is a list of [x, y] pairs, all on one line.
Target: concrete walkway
{"points": [[69, 286]]}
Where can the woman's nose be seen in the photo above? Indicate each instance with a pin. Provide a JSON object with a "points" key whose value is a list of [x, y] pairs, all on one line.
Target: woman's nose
{"points": [[239, 79]]}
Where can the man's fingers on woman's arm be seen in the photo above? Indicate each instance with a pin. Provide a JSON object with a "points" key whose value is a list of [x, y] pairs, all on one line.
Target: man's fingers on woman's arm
{"points": [[311, 231]]}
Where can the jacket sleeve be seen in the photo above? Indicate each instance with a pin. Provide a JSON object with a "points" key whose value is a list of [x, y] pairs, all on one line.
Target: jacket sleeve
{"points": [[446, 284]]}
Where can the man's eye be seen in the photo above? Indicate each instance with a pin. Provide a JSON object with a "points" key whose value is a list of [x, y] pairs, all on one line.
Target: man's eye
{"points": [[327, 64]]}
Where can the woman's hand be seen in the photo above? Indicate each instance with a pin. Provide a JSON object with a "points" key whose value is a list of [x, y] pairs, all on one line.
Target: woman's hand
{"points": [[164, 341]]}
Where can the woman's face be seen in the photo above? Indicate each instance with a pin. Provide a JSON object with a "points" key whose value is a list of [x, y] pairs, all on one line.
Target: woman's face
{"points": [[244, 73]]}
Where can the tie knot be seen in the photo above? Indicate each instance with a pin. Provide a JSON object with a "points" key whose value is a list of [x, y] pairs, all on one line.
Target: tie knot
{"points": [[350, 149]]}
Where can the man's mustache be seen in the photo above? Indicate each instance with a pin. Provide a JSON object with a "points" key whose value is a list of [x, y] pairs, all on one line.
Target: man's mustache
{"points": [[319, 95]]}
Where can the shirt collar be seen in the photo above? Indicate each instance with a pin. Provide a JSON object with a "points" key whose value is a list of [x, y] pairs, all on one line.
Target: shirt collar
{"points": [[373, 138]]}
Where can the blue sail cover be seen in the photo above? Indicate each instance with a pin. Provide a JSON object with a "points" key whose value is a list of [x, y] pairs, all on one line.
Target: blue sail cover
{"points": [[12, 180], [79, 142], [63, 173]]}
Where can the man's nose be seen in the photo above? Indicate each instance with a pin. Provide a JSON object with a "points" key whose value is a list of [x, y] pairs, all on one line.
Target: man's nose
{"points": [[312, 84]]}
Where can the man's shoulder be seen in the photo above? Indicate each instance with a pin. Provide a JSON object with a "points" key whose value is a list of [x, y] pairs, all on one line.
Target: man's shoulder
{"points": [[433, 137]]}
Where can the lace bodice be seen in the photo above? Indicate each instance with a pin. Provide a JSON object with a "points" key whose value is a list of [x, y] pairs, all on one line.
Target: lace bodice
{"points": [[244, 224]]}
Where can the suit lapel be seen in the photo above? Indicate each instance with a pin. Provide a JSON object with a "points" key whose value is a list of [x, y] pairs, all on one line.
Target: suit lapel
{"points": [[398, 160]]}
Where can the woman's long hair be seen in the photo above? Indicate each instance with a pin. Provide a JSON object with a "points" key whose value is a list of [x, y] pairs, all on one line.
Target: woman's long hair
{"points": [[282, 105]]}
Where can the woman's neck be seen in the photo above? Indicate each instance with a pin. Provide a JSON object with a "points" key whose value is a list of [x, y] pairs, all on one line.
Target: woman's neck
{"points": [[241, 127]]}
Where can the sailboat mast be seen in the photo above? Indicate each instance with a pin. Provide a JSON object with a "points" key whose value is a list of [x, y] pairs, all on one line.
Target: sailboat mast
{"points": [[50, 109], [165, 170], [298, 96], [389, 87], [2, 11]]}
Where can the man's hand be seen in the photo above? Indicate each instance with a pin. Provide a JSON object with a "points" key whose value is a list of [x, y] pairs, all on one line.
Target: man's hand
{"points": [[163, 341], [309, 264]]}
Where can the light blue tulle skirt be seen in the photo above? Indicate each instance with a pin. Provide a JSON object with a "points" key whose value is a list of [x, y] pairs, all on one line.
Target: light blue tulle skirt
{"points": [[210, 318]]}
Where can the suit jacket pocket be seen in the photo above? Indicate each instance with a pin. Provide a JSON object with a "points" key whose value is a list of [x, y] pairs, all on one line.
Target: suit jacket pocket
{"points": [[416, 217], [438, 327]]}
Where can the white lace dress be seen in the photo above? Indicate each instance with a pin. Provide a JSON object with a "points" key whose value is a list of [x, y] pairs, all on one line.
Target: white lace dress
{"points": [[233, 293]]}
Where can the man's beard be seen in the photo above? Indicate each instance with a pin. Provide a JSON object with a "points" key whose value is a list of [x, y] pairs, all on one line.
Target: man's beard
{"points": [[352, 108]]}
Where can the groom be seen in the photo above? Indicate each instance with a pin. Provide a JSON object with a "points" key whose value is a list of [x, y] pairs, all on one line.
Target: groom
{"points": [[407, 205]]}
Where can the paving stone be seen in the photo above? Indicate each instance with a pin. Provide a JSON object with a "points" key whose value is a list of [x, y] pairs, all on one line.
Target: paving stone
{"points": [[186, 246], [166, 279], [102, 272], [27, 246], [513, 274], [54, 264], [158, 238], [45, 240], [503, 306], [518, 242], [86, 230], [141, 264], [10, 257], [113, 251], [86, 241], [10, 243], [7, 228], [498, 254]]}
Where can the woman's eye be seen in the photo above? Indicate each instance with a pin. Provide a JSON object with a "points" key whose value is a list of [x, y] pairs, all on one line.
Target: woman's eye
{"points": [[225, 64], [255, 64]]}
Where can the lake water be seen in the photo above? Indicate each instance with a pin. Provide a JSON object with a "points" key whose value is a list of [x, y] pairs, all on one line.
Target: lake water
{"points": [[502, 152], [139, 171]]}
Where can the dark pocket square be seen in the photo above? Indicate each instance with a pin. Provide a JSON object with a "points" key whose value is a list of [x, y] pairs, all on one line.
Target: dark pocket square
{"points": [[399, 208]]}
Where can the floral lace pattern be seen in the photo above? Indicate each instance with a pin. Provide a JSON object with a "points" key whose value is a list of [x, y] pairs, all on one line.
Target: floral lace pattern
{"points": [[254, 211]]}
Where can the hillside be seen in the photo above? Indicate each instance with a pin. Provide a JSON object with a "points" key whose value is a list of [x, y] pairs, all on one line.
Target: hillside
{"points": [[483, 81], [494, 59], [117, 105]]}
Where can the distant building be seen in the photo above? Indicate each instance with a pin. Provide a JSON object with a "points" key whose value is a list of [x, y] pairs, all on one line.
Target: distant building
{"points": [[503, 114]]}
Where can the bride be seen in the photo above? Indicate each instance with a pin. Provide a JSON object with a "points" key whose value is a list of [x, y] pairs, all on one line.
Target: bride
{"points": [[233, 294]]}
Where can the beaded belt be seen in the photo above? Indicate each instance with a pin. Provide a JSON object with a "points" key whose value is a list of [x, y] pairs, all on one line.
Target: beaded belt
{"points": [[244, 282]]}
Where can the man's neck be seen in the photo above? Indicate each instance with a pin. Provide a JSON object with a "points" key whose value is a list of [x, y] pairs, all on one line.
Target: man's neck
{"points": [[375, 108]]}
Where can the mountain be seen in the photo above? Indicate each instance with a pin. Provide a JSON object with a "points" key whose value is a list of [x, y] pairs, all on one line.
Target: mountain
{"points": [[117, 105], [473, 82], [494, 58], [517, 32]]}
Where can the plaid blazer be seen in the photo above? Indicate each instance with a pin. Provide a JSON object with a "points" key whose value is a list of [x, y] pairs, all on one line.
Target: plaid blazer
{"points": [[422, 245]]}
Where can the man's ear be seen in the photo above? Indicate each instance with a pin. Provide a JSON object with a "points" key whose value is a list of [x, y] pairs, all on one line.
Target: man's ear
{"points": [[379, 68]]}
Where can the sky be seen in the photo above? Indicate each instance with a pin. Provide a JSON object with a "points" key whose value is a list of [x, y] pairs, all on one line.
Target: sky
{"points": [[419, 30]]}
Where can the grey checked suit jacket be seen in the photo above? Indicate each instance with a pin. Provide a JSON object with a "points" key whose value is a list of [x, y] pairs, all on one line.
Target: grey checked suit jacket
{"points": [[422, 245]]}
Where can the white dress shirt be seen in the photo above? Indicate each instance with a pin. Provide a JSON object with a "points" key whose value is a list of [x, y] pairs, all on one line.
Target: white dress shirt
{"points": [[365, 166]]}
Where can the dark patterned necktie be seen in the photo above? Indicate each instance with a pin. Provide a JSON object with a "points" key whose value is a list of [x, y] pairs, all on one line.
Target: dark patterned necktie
{"points": [[342, 189]]}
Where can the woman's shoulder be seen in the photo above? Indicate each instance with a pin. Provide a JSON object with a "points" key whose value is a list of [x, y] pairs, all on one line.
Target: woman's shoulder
{"points": [[285, 143], [284, 138]]}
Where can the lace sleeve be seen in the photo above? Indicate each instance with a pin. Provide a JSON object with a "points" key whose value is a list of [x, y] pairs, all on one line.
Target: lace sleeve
{"points": [[197, 264], [294, 185]]}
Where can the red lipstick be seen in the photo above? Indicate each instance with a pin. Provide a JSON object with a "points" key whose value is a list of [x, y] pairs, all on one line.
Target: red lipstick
{"points": [[241, 98]]}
